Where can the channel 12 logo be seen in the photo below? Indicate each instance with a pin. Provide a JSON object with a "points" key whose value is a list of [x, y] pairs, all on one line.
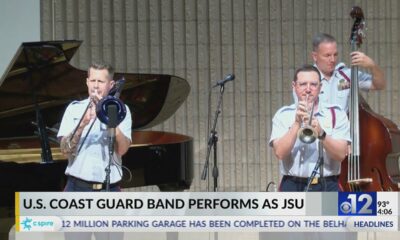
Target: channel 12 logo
{"points": [[357, 204]]}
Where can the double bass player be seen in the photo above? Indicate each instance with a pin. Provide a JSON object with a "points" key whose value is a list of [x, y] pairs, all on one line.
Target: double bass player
{"points": [[335, 77]]}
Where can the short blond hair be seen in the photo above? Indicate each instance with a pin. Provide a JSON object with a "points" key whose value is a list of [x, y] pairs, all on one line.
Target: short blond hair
{"points": [[101, 66]]}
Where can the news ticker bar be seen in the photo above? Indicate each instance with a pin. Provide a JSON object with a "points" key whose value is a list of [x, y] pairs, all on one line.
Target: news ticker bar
{"points": [[207, 204], [67, 211], [206, 223]]}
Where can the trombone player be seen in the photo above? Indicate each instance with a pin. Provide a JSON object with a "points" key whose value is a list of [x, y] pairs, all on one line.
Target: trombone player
{"points": [[300, 130], [81, 130]]}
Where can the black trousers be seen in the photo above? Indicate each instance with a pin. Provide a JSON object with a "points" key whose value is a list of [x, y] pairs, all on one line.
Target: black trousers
{"points": [[298, 184], [79, 185]]}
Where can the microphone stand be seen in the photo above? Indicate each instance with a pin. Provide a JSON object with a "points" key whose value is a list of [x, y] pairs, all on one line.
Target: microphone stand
{"points": [[317, 165], [212, 143]]}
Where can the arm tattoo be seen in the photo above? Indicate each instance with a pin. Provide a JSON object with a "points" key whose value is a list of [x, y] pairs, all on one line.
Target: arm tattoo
{"points": [[69, 144]]}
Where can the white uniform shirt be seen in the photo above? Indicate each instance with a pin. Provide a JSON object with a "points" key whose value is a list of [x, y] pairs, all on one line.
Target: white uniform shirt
{"points": [[333, 91], [303, 157], [93, 158]]}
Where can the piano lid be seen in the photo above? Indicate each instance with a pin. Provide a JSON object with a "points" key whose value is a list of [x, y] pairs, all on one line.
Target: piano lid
{"points": [[41, 71]]}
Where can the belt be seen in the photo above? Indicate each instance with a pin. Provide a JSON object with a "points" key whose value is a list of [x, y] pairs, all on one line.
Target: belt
{"points": [[314, 181], [90, 185]]}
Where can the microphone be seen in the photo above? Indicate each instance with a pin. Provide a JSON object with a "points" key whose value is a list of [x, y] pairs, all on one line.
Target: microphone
{"points": [[229, 77], [112, 112]]}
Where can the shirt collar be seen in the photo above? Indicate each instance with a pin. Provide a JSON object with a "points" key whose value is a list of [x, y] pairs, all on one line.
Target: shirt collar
{"points": [[337, 67]]}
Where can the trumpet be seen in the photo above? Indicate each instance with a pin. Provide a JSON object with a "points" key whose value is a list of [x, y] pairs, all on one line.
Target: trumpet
{"points": [[306, 133]]}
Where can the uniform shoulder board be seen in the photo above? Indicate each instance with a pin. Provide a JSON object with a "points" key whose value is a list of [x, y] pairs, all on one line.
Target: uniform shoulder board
{"points": [[341, 66]]}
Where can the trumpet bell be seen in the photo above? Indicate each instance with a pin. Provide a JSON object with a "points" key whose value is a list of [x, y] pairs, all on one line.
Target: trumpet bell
{"points": [[307, 135]]}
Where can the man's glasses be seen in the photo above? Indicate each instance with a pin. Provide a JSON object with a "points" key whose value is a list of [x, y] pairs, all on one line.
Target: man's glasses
{"points": [[305, 85]]}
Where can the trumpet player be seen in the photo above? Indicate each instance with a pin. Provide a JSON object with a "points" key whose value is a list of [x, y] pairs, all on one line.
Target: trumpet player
{"points": [[300, 129]]}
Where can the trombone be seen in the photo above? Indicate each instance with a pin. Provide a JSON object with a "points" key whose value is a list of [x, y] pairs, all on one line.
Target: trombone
{"points": [[306, 133]]}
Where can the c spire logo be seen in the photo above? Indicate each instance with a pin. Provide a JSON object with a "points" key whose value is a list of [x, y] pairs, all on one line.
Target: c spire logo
{"points": [[26, 224]]}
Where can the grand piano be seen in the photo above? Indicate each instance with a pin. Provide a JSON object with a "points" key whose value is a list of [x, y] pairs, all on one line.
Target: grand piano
{"points": [[34, 92]]}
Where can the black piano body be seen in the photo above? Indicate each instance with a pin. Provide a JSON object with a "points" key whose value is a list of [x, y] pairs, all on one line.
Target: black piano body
{"points": [[40, 79]]}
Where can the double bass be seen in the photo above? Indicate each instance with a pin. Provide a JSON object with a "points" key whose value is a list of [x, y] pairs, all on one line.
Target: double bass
{"points": [[373, 162]]}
